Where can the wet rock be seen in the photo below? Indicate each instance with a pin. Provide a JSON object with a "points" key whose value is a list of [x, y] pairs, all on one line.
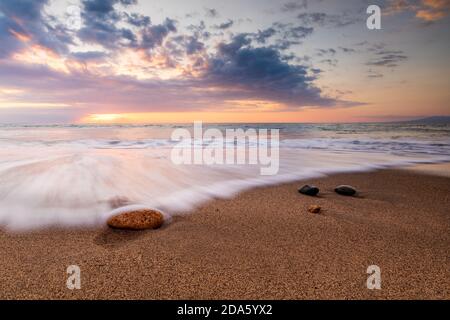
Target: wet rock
{"points": [[314, 208], [309, 190], [345, 190], [137, 220]]}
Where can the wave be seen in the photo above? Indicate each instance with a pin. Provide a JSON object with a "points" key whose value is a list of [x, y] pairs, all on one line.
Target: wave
{"points": [[406, 146], [69, 177]]}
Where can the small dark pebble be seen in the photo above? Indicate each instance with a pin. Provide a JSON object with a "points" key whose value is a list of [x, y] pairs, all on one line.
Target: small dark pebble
{"points": [[309, 190], [345, 190]]}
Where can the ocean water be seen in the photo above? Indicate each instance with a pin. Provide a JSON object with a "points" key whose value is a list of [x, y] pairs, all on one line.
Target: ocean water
{"points": [[67, 176]]}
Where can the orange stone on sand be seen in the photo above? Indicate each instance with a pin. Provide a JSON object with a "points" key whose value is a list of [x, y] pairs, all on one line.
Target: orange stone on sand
{"points": [[314, 208], [136, 219]]}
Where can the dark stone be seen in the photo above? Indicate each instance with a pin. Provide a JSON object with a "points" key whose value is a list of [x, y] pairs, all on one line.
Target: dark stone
{"points": [[309, 190], [345, 190]]}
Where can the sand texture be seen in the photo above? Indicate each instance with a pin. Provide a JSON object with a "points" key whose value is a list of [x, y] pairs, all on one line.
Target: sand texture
{"points": [[262, 244]]}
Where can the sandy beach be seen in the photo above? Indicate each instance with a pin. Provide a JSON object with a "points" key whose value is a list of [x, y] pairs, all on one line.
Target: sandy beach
{"points": [[262, 244]]}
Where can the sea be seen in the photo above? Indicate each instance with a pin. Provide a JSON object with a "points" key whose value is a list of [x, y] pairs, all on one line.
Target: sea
{"points": [[67, 175]]}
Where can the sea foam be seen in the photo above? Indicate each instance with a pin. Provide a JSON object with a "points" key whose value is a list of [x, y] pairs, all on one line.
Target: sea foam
{"points": [[66, 176]]}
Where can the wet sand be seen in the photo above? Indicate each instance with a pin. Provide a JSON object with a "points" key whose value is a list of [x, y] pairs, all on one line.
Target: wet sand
{"points": [[262, 244]]}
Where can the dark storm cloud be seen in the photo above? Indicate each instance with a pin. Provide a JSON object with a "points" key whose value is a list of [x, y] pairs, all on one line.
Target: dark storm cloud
{"points": [[261, 72], [25, 18]]}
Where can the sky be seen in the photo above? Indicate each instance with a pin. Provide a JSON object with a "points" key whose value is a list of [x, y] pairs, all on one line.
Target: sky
{"points": [[172, 61]]}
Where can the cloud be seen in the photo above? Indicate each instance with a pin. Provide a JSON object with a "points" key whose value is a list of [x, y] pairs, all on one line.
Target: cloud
{"points": [[428, 11], [374, 74], [387, 58], [89, 56], [437, 4], [398, 6], [331, 62], [211, 12], [287, 35], [262, 36], [294, 5], [381, 58], [260, 72], [154, 35], [100, 24], [137, 20], [225, 25], [88, 93], [22, 24], [433, 10], [199, 30], [236, 71], [298, 32], [325, 52], [430, 15], [101, 19], [181, 44], [328, 20], [347, 50], [137, 66]]}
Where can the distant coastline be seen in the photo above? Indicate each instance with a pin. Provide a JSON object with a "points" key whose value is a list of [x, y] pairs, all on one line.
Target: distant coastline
{"points": [[431, 120]]}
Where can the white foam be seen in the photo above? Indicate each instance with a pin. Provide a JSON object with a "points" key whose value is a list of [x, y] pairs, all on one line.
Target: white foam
{"points": [[56, 182]]}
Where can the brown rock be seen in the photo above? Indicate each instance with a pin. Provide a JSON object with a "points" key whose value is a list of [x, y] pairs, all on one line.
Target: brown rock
{"points": [[137, 220], [314, 208]]}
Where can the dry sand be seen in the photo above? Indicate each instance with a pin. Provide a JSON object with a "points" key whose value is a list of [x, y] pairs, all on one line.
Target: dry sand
{"points": [[263, 244]]}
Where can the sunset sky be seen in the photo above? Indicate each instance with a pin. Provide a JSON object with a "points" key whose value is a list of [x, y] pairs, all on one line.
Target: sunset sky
{"points": [[113, 61]]}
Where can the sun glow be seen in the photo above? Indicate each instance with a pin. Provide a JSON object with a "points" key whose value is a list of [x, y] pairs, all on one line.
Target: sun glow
{"points": [[37, 54], [100, 118]]}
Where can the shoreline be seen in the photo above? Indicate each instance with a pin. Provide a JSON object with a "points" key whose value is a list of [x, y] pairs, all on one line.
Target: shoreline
{"points": [[438, 169], [260, 244]]}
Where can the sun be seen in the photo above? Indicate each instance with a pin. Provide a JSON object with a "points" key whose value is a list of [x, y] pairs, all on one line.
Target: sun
{"points": [[102, 118]]}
